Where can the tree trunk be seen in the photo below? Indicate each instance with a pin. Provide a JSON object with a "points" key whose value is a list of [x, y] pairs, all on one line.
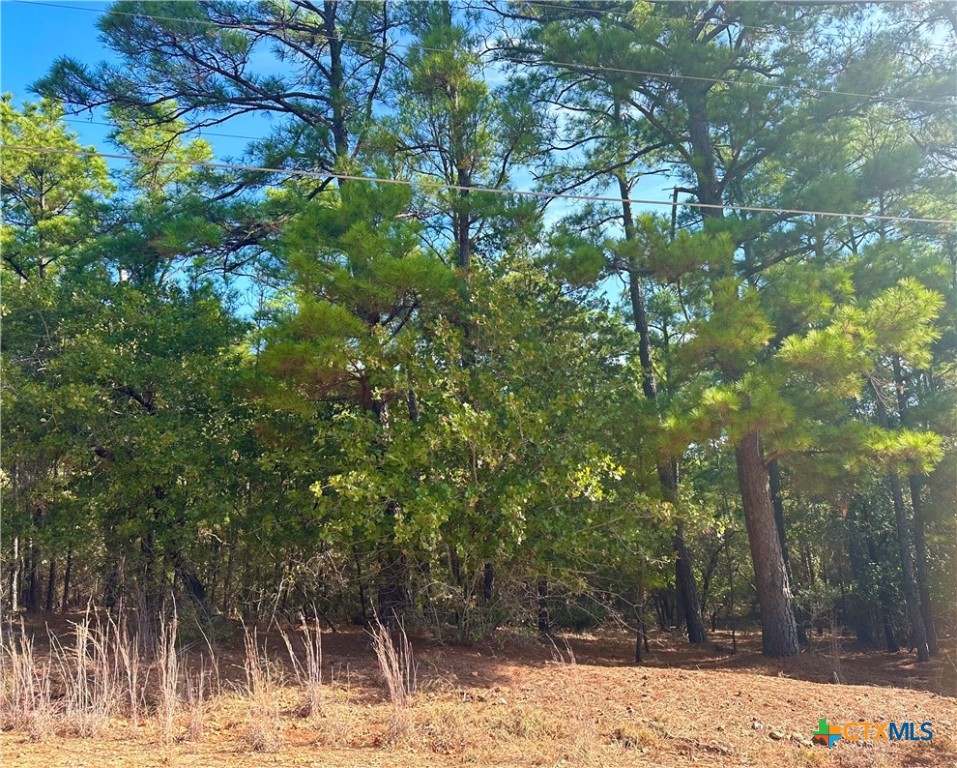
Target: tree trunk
{"points": [[861, 608], [51, 585], [363, 614], [151, 590], [911, 594], [391, 597], [67, 574], [774, 475], [779, 629], [228, 578], [488, 581], [15, 576], [731, 620], [543, 622], [920, 544], [780, 636], [337, 94], [920, 555], [641, 638], [667, 470], [33, 580], [194, 587], [911, 599], [883, 594], [684, 578]]}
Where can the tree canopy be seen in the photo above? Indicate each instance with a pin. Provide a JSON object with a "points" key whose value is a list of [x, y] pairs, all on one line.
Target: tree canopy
{"points": [[360, 370]]}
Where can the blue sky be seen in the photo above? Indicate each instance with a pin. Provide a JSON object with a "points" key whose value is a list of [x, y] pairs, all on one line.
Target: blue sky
{"points": [[34, 33], [33, 36]]}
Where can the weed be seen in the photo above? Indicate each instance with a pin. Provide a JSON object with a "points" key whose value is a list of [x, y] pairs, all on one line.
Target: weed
{"points": [[631, 736], [264, 730], [168, 679], [308, 672], [196, 686], [398, 670]]}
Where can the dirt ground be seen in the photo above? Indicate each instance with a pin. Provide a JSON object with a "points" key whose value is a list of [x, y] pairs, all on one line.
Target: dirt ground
{"points": [[518, 702]]}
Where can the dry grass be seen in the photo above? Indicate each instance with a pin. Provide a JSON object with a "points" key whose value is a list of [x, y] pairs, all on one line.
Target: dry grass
{"points": [[264, 732], [129, 658], [91, 676], [505, 705], [169, 672], [25, 696], [196, 690], [397, 665], [308, 670], [91, 673], [628, 735], [398, 671]]}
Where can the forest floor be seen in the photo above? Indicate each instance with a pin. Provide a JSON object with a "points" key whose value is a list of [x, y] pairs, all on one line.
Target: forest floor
{"points": [[518, 702]]}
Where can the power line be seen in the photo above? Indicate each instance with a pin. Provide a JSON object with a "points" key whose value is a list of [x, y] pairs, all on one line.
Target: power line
{"points": [[200, 132], [458, 187], [770, 29], [516, 60]]}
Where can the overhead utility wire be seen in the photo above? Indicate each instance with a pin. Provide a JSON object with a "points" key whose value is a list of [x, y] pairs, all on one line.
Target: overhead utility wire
{"points": [[200, 132], [516, 60], [565, 7], [460, 187], [716, 22]]}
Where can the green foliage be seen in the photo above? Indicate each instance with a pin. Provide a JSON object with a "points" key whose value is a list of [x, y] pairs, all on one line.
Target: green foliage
{"points": [[49, 191], [439, 385]]}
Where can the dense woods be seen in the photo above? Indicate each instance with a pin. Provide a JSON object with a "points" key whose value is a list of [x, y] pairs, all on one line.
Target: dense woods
{"points": [[281, 382]]}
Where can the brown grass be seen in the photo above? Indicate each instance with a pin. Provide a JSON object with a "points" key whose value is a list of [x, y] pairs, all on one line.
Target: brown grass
{"points": [[264, 731], [397, 669], [308, 669], [508, 704]]}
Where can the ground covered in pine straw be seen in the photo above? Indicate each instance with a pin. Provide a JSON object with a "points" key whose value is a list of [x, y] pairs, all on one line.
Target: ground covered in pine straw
{"points": [[517, 702]]}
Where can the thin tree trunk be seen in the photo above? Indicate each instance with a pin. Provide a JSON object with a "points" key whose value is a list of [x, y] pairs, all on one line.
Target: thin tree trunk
{"points": [[51, 585], [364, 616], [488, 581], [667, 470], [150, 586], [774, 476], [884, 599], [731, 619], [213, 575], [920, 555], [641, 638], [911, 594], [67, 574], [920, 544], [543, 622], [15, 577], [688, 595], [863, 626], [883, 594], [779, 629], [33, 580], [228, 578]]}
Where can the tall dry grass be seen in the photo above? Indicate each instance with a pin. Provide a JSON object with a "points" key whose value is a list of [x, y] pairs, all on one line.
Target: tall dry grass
{"points": [[168, 669], [396, 660], [95, 674], [397, 668], [26, 701], [264, 727], [308, 670]]}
